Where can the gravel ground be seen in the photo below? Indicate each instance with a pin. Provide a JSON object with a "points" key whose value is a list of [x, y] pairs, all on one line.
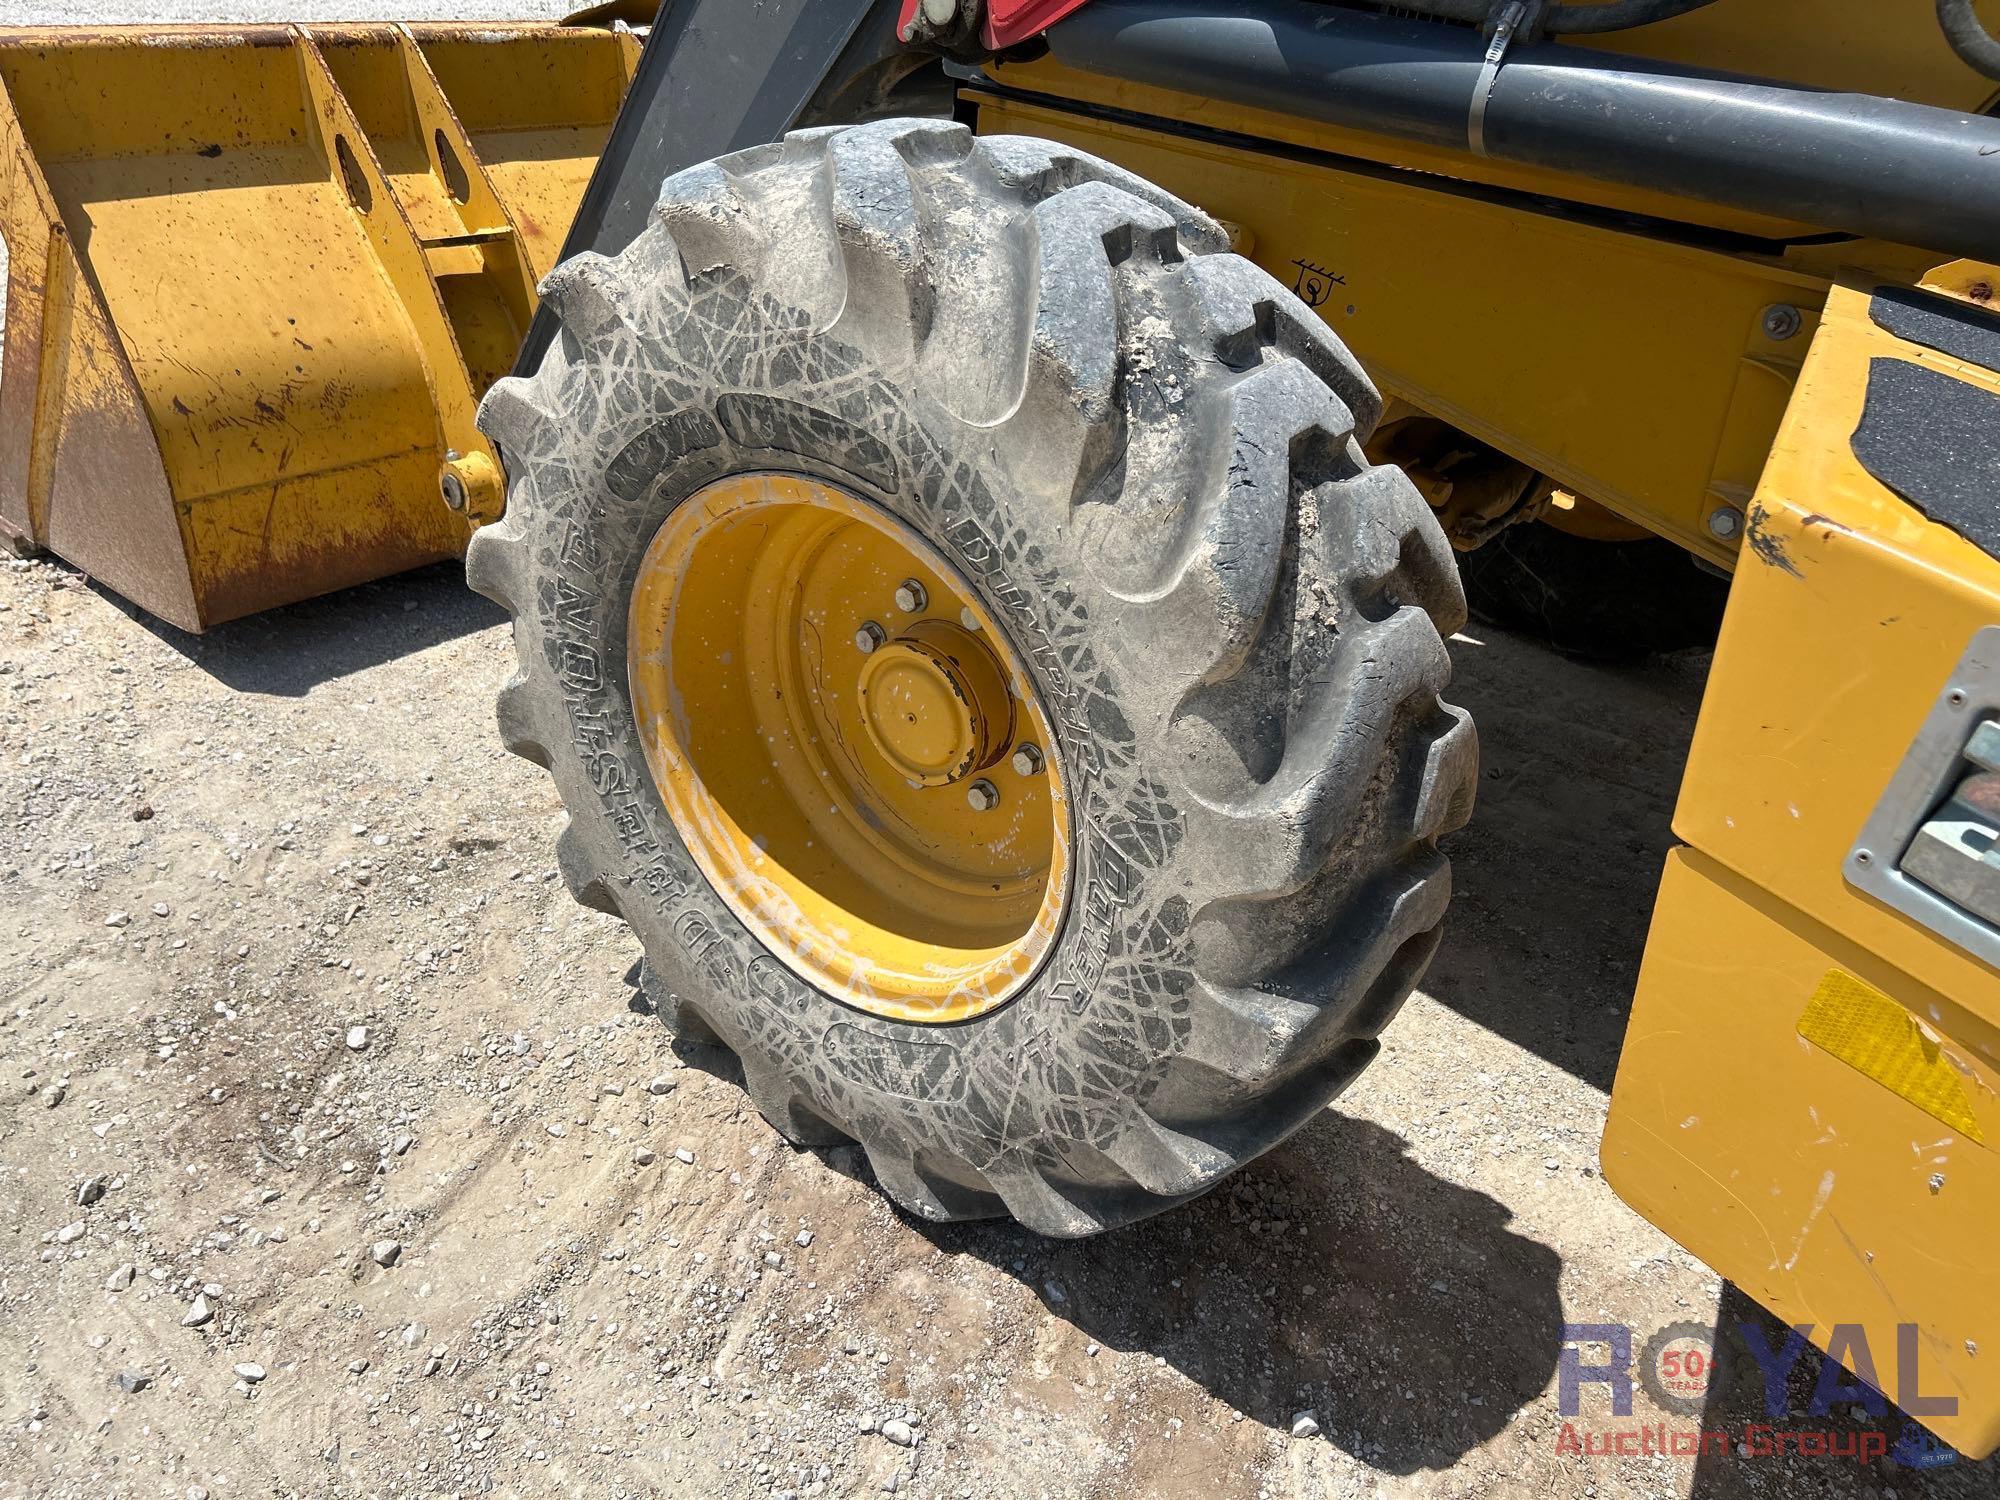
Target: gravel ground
{"points": [[341, 1157], [294, 998]]}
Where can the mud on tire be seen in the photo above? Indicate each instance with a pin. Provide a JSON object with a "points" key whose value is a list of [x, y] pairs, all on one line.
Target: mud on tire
{"points": [[1142, 453]]}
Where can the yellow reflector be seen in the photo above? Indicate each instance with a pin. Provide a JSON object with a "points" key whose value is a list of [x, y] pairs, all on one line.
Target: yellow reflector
{"points": [[1876, 1037]]}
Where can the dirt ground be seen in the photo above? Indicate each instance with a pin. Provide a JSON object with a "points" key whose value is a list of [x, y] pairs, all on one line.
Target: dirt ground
{"points": [[289, 988], [288, 975]]}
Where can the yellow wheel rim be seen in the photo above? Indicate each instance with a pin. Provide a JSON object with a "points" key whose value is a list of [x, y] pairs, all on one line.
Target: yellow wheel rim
{"points": [[848, 747]]}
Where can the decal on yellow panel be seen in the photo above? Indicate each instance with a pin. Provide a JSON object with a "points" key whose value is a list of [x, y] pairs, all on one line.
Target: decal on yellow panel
{"points": [[1873, 1035]]}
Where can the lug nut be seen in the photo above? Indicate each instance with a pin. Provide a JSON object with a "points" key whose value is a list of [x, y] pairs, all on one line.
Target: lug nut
{"points": [[983, 795], [868, 637], [1027, 759], [911, 597], [1725, 523]]}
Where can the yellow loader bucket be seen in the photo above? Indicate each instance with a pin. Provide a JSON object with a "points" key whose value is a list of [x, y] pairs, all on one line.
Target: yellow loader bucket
{"points": [[258, 279]]}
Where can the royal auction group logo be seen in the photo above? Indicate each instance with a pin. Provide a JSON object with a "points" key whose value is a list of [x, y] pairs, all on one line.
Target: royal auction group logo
{"points": [[1696, 1373]]}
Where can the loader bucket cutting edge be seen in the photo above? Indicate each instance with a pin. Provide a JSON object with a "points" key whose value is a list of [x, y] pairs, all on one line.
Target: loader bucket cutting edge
{"points": [[258, 278]]}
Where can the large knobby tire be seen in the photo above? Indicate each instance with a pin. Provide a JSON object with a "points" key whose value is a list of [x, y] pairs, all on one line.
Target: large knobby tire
{"points": [[1598, 600], [1141, 451]]}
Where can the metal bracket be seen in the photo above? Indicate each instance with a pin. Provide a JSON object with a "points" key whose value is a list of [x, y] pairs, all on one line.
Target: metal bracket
{"points": [[1876, 864], [1511, 19], [716, 76]]}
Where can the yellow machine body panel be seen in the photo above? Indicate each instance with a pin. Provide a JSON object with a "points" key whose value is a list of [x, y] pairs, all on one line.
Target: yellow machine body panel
{"points": [[1611, 337], [1809, 1092], [180, 420], [1893, 48], [1511, 326]]}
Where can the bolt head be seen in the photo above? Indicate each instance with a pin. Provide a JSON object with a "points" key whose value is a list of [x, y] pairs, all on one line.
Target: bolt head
{"points": [[1027, 759], [1725, 523], [983, 795], [1781, 321], [869, 637], [911, 597]]}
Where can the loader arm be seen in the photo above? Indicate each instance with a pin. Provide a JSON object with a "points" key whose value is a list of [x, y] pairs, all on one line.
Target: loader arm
{"points": [[716, 77]]}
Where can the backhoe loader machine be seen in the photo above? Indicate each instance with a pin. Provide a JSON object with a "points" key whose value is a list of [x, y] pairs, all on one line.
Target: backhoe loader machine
{"points": [[982, 490]]}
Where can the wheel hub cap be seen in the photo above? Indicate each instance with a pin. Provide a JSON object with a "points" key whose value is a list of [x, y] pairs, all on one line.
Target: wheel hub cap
{"points": [[936, 703]]}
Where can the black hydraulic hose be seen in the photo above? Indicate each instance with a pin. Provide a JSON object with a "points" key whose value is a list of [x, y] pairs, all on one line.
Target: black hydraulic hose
{"points": [[1472, 11], [1855, 163], [1968, 37], [1621, 15], [1574, 20]]}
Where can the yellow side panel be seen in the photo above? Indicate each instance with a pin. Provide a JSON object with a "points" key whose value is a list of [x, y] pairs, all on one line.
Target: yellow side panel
{"points": [[1848, 614], [1807, 1094], [1825, 1194]]}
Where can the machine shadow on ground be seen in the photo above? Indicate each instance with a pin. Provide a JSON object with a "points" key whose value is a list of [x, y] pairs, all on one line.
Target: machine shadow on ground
{"points": [[1554, 878], [1333, 1274], [288, 652], [1737, 1402]]}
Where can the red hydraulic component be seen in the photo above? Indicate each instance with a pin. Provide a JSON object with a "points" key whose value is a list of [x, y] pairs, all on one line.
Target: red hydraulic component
{"points": [[1006, 21]]}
